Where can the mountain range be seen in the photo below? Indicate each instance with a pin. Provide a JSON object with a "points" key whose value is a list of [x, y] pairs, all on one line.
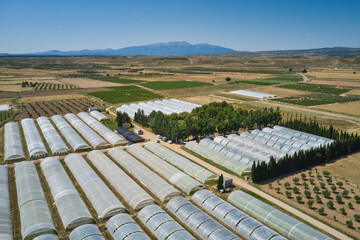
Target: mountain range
{"points": [[185, 48]]}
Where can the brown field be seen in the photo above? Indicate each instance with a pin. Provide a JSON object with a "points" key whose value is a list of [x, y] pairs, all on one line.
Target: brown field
{"points": [[280, 92], [14, 88], [87, 83], [50, 98], [335, 74], [6, 100], [351, 108], [50, 108], [353, 92], [338, 82], [330, 214]]}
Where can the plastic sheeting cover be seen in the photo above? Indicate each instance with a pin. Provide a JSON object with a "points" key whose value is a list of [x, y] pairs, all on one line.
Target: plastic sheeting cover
{"points": [[198, 172], [5, 210], [122, 226], [52, 137], [33, 139], [98, 115], [86, 232], [35, 215], [161, 224], [72, 210], [13, 145], [288, 226], [71, 136], [103, 200], [158, 186], [133, 194], [174, 175]]}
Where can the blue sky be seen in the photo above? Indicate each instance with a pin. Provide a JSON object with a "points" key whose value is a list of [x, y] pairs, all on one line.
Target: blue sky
{"points": [[41, 25]]}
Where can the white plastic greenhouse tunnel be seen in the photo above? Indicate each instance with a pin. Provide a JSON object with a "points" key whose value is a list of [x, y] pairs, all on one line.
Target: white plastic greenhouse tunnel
{"points": [[86, 232], [6, 231], [35, 145], [122, 226], [13, 145]]}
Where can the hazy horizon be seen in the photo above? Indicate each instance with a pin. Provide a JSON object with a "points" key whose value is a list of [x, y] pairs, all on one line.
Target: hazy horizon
{"points": [[40, 26]]}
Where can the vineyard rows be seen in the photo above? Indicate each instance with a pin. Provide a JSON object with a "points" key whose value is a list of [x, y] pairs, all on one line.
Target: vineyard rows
{"points": [[52, 86]]}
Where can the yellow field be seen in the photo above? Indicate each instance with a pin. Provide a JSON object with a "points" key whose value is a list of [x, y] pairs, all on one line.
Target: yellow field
{"points": [[354, 92], [50, 98], [351, 108], [347, 168], [335, 74], [14, 88], [6, 100]]}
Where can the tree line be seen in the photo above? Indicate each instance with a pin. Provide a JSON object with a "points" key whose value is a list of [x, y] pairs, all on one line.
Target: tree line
{"points": [[207, 120], [344, 144]]}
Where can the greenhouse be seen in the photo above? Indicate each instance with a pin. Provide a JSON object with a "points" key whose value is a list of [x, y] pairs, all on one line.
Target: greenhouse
{"points": [[129, 135], [132, 193], [253, 94], [35, 215], [71, 136], [167, 106], [98, 115], [196, 171], [284, 224], [156, 185], [122, 226], [243, 224], [198, 221], [13, 146], [90, 135], [218, 158], [105, 132], [52, 137], [103, 200], [47, 237], [86, 232], [169, 172], [72, 210], [35, 145], [162, 225], [6, 232]]}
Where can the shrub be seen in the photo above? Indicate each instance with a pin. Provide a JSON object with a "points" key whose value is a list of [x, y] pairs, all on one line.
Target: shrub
{"points": [[288, 194], [321, 210], [316, 189], [343, 211], [295, 189], [318, 198], [310, 173], [345, 193], [349, 224], [357, 217], [330, 204], [270, 185], [350, 205], [307, 193], [303, 176], [277, 190], [310, 203], [322, 184], [329, 180], [333, 188], [278, 181], [312, 181], [287, 185], [319, 176], [326, 193], [357, 198], [305, 185], [340, 184], [326, 173], [298, 199], [296, 180], [338, 198]]}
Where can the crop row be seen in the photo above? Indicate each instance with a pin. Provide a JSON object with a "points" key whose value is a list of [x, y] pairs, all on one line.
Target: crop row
{"points": [[316, 88], [317, 99], [52, 86]]}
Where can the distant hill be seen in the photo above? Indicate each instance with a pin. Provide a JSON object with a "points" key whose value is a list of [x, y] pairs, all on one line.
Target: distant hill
{"points": [[185, 48], [171, 48]]}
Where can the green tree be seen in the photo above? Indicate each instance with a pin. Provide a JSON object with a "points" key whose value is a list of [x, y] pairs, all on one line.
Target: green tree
{"points": [[316, 189], [298, 199], [305, 185], [321, 210], [220, 183], [357, 217], [343, 211], [357, 198], [287, 185], [312, 181], [349, 224], [303, 176], [350, 205], [330, 204], [310, 203], [323, 185], [277, 190], [318, 198], [228, 79], [345, 193], [326, 193], [296, 190], [338, 198], [296, 180], [307, 193], [340, 184], [288, 194], [333, 188]]}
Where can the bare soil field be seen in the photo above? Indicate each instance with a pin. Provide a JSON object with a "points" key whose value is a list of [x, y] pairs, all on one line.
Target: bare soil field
{"points": [[353, 92], [335, 74], [6, 94], [87, 83], [14, 88], [332, 215], [50, 98], [61, 92], [351, 108]]}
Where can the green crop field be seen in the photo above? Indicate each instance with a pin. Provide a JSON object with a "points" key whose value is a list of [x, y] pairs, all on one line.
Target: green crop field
{"points": [[316, 88], [159, 85], [113, 79], [124, 94], [272, 81], [316, 99]]}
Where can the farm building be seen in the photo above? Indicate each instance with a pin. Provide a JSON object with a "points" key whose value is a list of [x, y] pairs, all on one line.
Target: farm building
{"points": [[167, 106], [253, 94], [129, 135]]}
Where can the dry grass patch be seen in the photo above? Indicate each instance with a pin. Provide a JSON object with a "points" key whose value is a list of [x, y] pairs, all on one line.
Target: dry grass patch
{"points": [[339, 74], [14, 88], [281, 92], [50, 98], [87, 83], [351, 108]]}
